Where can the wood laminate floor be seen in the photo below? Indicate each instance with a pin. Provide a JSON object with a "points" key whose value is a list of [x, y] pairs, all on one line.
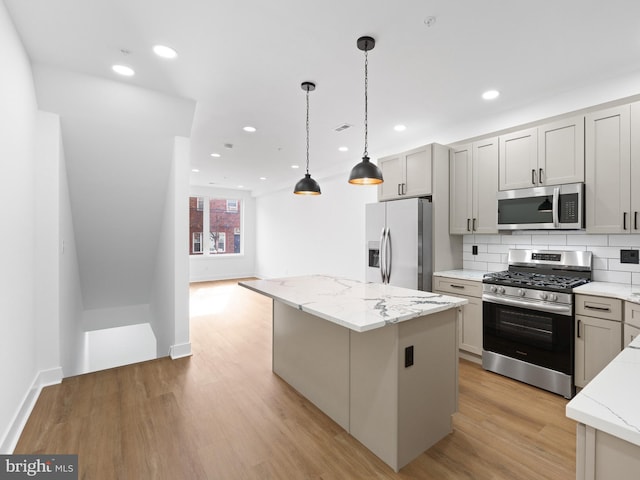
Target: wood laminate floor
{"points": [[222, 414]]}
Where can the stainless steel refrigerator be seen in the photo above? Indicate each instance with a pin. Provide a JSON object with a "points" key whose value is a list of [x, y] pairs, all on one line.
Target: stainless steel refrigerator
{"points": [[398, 236]]}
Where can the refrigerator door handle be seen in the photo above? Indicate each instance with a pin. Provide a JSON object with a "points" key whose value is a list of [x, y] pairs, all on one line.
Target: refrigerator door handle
{"points": [[382, 255], [388, 255]]}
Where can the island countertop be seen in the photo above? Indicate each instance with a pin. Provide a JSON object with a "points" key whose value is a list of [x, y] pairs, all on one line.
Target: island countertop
{"points": [[358, 306]]}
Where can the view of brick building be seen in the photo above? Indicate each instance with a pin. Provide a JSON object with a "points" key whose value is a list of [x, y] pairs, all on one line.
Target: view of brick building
{"points": [[214, 224]]}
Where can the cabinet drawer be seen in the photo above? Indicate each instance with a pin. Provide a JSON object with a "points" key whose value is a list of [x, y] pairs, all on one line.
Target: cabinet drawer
{"points": [[455, 286], [632, 314], [599, 307]]}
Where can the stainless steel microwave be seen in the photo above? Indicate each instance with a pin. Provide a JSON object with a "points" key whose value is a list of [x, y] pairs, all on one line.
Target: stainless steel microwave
{"points": [[556, 207]]}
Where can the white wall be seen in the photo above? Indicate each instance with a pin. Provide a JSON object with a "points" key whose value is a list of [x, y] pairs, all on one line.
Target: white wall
{"points": [[170, 290], [299, 235], [219, 267], [70, 291], [18, 367], [493, 249]]}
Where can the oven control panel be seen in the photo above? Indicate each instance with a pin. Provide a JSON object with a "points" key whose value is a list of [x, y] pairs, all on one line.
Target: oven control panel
{"points": [[527, 294], [548, 257]]}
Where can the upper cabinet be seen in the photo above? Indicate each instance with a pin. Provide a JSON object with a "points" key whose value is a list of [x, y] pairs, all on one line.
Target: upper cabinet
{"points": [[551, 154], [406, 175], [473, 177], [612, 159]]}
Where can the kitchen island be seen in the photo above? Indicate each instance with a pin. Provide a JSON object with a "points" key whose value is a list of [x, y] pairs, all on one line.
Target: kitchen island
{"points": [[381, 361], [608, 415]]}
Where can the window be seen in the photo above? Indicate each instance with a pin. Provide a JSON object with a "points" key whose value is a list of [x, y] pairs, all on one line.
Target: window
{"points": [[222, 218], [196, 243]]}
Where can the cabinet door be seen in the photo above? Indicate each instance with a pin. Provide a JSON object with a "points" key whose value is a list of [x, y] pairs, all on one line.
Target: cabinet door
{"points": [[470, 328], [629, 334], [418, 172], [598, 341], [484, 217], [393, 174], [635, 166], [460, 184], [519, 159], [561, 152], [607, 170]]}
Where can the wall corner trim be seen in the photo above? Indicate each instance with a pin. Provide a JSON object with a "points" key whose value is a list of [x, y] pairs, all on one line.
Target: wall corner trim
{"points": [[180, 351], [43, 378]]}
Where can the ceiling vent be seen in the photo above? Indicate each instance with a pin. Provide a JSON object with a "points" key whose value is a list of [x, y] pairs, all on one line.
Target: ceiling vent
{"points": [[342, 126]]}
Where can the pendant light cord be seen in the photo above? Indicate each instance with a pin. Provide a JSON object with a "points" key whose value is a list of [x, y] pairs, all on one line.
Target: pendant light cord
{"points": [[366, 101], [307, 129]]}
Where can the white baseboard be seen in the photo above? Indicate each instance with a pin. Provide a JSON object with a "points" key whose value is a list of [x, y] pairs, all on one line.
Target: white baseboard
{"points": [[180, 351], [43, 378]]}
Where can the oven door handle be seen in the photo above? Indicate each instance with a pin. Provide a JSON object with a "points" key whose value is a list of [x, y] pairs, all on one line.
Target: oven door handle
{"points": [[545, 307]]}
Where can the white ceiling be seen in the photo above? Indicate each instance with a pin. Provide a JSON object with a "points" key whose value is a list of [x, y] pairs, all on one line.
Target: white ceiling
{"points": [[243, 62]]}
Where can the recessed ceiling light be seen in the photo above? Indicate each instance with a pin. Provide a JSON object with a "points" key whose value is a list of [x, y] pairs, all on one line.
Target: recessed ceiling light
{"points": [[295, 166], [123, 70], [215, 155], [164, 51], [240, 186], [343, 149], [399, 128], [263, 178], [195, 170], [249, 129], [490, 94]]}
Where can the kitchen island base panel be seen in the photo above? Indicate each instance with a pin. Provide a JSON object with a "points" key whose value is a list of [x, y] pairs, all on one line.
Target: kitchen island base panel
{"points": [[600, 456], [312, 355], [360, 381], [399, 412]]}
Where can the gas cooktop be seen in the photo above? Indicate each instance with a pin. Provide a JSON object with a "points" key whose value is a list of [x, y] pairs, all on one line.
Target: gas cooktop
{"points": [[539, 281]]}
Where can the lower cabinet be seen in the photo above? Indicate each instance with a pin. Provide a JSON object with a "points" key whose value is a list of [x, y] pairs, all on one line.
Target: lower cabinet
{"points": [[600, 456], [598, 335], [631, 326], [470, 315]]}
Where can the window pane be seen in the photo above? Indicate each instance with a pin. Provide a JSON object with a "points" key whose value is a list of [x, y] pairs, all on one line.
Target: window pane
{"points": [[224, 224], [196, 218]]}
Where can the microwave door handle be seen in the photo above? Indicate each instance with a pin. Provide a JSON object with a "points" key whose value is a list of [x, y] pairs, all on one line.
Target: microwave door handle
{"points": [[556, 201]]}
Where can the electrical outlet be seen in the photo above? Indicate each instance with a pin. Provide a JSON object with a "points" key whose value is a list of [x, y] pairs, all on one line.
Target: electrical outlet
{"points": [[408, 356], [474, 250], [629, 256]]}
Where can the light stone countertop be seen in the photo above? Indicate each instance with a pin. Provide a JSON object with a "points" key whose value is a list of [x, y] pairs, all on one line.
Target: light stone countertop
{"points": [[473, 275], [622, 291], [611, 401], [352, 304]]}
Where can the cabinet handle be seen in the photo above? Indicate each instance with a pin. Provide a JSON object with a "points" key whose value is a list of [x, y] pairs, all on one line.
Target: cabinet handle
{"points": [[635, 220], [540, 175], [399, 191], [578, 332], [468, 224], [600, 309], [456, 286], [624, 221], [404, 188], [473, 225], [533, 176]]}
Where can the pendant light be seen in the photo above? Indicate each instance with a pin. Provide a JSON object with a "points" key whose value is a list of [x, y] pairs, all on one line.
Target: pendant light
{"points": [[307, 186], [365, 172]]}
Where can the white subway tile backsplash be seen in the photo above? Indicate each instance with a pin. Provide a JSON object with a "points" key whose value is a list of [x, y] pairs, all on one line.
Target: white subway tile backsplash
{"points": [[611, 276], [584, 239], [631, 240], [549, 239], [493, 250]]}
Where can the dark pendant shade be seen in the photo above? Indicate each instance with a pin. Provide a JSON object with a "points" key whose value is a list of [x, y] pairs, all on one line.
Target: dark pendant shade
{"points": [[307, 186], [365, 173]]}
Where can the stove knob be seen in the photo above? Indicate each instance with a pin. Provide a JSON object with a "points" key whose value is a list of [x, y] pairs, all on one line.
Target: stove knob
{"points": [[544, 296], [553, 297], [521, 292], [493, 289], [501, 290]]}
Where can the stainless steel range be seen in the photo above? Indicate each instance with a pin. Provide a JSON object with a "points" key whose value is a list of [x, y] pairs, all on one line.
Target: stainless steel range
{"points": [[528, 317]]}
